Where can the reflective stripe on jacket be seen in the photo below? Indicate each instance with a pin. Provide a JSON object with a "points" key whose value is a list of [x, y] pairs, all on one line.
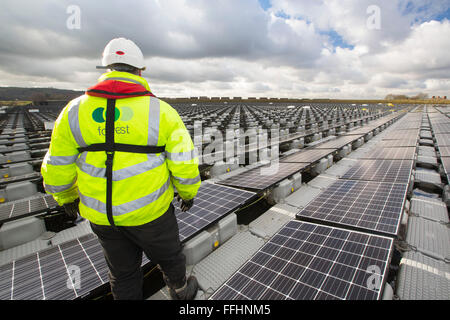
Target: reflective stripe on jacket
{"points": [[142, 183]]}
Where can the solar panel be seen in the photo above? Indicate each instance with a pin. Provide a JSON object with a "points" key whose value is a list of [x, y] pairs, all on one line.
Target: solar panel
{"points": [[339, 142], [444, 151], [412, 142], [442, 139], [305, 261], [380, 170], [402, 135], [408, 124], [360, 131], [265, 176], [391, 153], [308, 156], [211, 203], [22, 208], [441, 127], [45, 274], [362, 205], [446, 165]]}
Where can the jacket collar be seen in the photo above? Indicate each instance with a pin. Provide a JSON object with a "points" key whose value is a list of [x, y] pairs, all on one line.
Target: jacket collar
{"points": [[117, 85]]}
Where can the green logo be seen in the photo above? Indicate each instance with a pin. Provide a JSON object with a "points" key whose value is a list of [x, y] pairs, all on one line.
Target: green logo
{"points": [[122, 114]]}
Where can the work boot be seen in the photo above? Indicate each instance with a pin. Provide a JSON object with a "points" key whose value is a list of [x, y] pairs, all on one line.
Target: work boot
{"points": [[186, 292]]}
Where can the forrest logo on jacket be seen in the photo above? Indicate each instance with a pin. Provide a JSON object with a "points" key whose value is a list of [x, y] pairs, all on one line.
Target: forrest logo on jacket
{"points": [[122, 114]]}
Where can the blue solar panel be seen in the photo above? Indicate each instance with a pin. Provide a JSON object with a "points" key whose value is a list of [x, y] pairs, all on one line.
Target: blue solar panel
{"points": [[265, 176], [306, 261], [391, 153], [380, 170], [363, 205], [210, 205]]}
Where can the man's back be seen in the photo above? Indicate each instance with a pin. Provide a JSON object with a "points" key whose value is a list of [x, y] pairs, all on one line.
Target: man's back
{"points": [[142, 187]]}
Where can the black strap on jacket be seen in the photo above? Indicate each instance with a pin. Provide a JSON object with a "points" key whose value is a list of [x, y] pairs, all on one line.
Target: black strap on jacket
{"points": [[110, 147], [124, 148]]}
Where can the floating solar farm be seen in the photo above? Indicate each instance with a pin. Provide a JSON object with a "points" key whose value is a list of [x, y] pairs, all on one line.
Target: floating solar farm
{"points": [[298, 201]]}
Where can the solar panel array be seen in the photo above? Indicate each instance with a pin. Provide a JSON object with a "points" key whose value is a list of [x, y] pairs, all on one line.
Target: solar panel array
{"points": [[365, 205], [211, 203], [265, 176], [44, 275], [380, 170], [287, 166], [305, 261], [22, 208], [293, 123]]}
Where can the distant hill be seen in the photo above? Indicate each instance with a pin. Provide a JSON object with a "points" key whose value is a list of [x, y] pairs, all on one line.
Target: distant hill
{"points": [[37, 94]]}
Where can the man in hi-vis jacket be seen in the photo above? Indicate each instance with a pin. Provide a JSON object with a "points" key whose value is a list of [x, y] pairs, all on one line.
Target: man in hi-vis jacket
{"points": [[115, 155]]}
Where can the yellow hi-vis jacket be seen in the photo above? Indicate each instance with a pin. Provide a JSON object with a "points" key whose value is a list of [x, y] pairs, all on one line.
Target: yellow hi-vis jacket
{"points": [[142, 187]]}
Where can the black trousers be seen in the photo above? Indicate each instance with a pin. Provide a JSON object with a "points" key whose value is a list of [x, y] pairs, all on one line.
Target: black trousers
{"points": [[123, 248]]}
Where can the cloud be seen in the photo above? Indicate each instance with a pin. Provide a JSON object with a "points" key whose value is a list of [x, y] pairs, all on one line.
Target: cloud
{"points": [[388, 81], [235, 48], [425, 51]]}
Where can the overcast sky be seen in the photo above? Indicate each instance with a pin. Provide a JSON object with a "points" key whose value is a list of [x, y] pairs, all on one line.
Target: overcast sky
{"points": [[277, 48]]}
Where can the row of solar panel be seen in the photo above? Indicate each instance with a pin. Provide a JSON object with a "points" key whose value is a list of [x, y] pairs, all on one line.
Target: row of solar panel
{"points": [[47, 274], [371, 194], [307, 260], [266, 176]]}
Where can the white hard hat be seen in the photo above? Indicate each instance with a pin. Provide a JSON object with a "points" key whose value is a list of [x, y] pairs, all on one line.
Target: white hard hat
{"points": [[121, 50]]}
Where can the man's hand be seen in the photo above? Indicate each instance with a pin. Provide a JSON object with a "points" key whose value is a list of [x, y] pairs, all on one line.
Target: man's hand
{"points": [[72, 209], [185, 204]]}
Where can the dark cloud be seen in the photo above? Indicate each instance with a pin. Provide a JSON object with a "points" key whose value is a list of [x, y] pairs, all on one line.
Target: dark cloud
{"points": [[219, 42]]}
